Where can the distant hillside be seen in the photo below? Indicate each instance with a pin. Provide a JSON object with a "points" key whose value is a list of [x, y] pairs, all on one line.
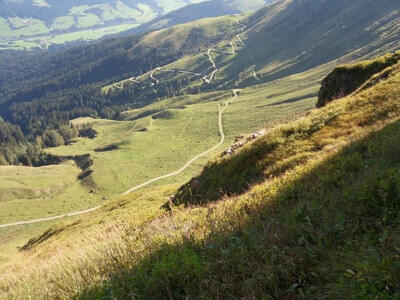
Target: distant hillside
{"points": [[39, 23], [29, 24]]}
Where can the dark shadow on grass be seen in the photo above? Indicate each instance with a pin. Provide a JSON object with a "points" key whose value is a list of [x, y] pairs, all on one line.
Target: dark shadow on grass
{"points": [[291, 100], [327, 235]]}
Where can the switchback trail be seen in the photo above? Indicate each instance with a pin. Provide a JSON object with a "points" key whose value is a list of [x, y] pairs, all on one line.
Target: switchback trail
{"points": [[208, 78], [221, 111], [170, 70]]}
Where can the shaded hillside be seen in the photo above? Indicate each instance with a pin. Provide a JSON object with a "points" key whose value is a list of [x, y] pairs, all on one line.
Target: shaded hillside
{"points": [[297, 35]]}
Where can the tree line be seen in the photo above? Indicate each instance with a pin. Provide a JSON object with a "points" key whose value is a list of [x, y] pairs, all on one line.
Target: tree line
{"points": [[40, 92]]}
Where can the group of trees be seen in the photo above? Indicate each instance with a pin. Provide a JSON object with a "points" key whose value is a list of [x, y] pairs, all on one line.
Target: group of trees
{"points": [[16, 149], [12, 142]]}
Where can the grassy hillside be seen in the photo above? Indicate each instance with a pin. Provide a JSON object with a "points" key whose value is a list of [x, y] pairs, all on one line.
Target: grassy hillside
{"points": [[310, 210], [278, 38], [28, 193], [330, 29], [292, 36]]}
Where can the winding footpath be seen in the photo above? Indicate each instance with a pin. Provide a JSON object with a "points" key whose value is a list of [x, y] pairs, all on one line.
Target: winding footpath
{"points": [[221, 111], [169, 70], [207, 79]]}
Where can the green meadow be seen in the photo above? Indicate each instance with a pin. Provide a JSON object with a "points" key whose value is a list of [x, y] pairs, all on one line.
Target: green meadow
{"points": [[169, 134], [82, 22]]}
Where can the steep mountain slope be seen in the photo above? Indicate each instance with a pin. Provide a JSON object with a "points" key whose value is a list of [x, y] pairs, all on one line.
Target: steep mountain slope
{"points": [[275, 43], [291, 36], [278, 153], [310, 210], [319, 31]]}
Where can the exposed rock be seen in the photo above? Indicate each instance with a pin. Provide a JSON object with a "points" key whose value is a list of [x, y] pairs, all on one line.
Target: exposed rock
{"points": [[345, 80]]}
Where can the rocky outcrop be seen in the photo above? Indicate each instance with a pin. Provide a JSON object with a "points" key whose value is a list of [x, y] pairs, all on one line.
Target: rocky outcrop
{"points": [[347, 79]]}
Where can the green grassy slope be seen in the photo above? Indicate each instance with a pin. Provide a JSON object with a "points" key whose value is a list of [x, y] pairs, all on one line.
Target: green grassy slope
{"points": [[309, 210], [189, 129], [28, 193]]}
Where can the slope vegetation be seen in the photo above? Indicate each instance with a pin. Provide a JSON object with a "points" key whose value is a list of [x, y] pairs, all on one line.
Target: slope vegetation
{"points": [[310, 210]]}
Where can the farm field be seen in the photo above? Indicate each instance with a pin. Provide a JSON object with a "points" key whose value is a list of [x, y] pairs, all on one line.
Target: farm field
{"points": [[55, 24]]}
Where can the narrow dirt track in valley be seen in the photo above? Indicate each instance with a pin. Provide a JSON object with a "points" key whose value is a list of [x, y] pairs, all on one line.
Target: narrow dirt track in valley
{"points": [[206, 78], [221, 111]]}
